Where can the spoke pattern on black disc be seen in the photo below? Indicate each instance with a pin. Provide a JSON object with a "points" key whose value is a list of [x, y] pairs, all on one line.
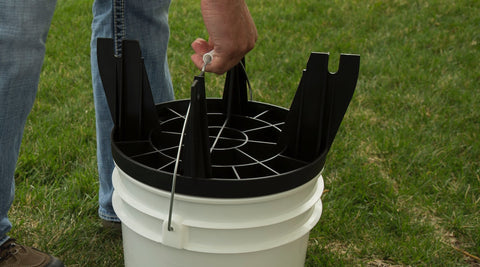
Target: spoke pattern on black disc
{"points": [[240, 146], [235, 172], [264, 127], [258, 162]]}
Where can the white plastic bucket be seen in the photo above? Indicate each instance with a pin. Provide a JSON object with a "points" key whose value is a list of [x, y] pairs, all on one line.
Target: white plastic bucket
{"points": [[261, 231]]}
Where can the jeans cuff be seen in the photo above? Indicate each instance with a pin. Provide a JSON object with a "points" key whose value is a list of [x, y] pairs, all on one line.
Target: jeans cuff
{"points": [[107, 216], [4, 239]]}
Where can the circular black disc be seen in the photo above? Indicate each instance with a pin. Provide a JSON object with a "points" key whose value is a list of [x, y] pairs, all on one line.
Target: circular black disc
{"points": [[245, 158]]}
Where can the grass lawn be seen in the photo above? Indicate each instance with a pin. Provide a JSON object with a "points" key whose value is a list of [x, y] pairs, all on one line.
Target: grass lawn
{"points": [[403, 176]]}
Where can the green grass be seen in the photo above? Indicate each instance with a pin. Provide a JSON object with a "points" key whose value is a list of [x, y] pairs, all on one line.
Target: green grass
{"points": [[403, 175]]}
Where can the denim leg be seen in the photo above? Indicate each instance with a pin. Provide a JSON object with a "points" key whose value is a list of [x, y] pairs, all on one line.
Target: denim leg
{"points": [[24, 26], [102, 27], [143, 20], [147, 22]]}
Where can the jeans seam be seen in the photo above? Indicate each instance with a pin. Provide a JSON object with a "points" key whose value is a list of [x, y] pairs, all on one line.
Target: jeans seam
{"points": [[119, 28]]}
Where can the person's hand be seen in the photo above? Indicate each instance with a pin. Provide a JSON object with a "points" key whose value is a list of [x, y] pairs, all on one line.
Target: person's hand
{"points": [[232, 34]]}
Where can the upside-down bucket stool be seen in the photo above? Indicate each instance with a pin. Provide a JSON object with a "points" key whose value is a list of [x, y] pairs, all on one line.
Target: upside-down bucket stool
{"points": [[220, 181]]}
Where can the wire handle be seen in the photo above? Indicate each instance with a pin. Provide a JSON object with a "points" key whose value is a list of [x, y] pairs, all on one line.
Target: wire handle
{"points": [[175, 170], [207, 58]]}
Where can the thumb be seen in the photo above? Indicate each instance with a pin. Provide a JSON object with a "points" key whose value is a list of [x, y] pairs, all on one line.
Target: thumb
{"points": [[200, 46]]}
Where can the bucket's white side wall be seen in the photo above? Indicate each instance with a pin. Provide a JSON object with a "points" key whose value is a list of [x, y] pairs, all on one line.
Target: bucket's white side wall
{"points": [[216, 229], [141, 251], [246, 212], [211, 240]]}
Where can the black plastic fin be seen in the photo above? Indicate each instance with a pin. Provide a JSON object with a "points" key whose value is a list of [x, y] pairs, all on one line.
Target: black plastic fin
{"points": [[301, 135], [342, 84], [110, 69], [127, 89], [319, 105], [196, 156], [235, 90]]}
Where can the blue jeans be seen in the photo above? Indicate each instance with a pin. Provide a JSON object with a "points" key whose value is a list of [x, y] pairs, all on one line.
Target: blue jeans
{"points": [[143, 20], [24, 26]]}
